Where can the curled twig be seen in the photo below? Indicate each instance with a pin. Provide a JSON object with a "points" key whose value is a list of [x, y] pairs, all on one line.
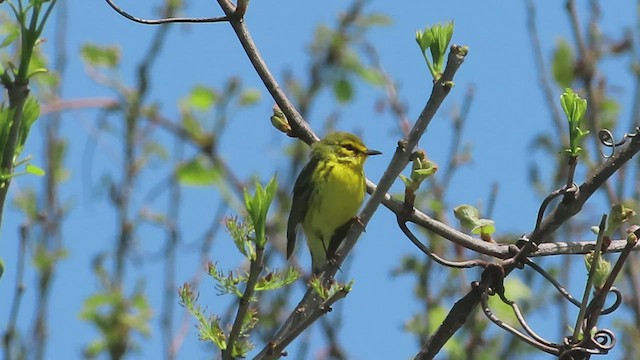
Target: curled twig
{"points": [[606, 139], [165, 20], [454, 264], [563, 291], [535, 340], [545, 203]]}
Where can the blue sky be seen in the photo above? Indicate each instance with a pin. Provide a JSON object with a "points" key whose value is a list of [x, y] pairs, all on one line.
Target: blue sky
{"points": [[507, 111]]}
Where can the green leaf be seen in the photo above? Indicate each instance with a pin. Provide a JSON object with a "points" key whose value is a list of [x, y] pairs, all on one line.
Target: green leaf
{"points": [[562, 64], [343, 90], [603, 268], [27, 202], [212, 331], [192, 125], [484, 226], [239, 231], [258, 205], [94, 349], [618, 215], [201, 98], [30, 113], [1, 267], [14, 31], [442, 35], [467, 215], [198, 172], [34, 170], [407, 182], [375, 19], [574, 108], [250, 97], [424, 39], [226, 284], [436, 39], [100, 55], [371, 75], [573, 105], [277, 279]]}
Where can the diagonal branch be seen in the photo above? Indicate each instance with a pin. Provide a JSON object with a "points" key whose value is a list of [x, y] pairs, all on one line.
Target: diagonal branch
{"points": [[400, 159]]}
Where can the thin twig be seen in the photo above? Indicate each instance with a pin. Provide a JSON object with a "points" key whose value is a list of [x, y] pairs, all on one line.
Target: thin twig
{"points": [[170, 257], [206, 244], [255, 269], [10, 332], [593, 311], [590, 279], [547, 90], [300, 128], [453, 264], [165, 20]]}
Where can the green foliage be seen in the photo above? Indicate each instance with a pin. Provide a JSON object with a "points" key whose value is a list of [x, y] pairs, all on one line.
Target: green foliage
{"points": [[44, 259], [200, 98], [198, 172], [258, 206], [17, 117], [249, 238], [279, 120], [26, 202], [249, 97], [240, 232], [11, 31], [436, 40], [618, 215], [226, 284], [118, 318], [209, 328], [562, 64], [609, 113], [327, 292], [277, 279], [34, 170], [103, 56], [30, 113], [343, 90], [421, 169], [469, 218], [603, 268], [337, 62], [574, 108]]}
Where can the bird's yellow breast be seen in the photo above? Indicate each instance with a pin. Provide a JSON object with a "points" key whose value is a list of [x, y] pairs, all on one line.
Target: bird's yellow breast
{"points": [[338, 197]]}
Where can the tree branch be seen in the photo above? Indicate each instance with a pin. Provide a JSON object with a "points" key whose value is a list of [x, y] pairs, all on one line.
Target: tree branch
{"points": [[463, 308]]}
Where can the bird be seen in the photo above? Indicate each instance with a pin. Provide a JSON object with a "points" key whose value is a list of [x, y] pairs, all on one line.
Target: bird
{"points": [[327, 195]]}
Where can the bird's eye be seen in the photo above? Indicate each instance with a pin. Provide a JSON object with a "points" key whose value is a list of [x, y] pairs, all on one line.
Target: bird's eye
{"points": [[349, 147]]}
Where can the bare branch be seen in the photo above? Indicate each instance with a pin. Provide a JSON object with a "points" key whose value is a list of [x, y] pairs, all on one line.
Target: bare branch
{"points": [[165, 20]]}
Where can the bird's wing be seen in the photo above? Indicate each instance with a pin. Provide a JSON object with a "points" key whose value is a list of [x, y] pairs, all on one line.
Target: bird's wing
{"points": [[302, 191]]}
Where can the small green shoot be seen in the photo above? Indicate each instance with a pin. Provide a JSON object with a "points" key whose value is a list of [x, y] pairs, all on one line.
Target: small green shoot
{"points": [[574, 107], [436, 39], [469, 218], [257, 207]]}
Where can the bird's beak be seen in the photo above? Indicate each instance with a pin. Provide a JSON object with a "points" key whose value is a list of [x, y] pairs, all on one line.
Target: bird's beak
{"points": [[372, 152]]}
